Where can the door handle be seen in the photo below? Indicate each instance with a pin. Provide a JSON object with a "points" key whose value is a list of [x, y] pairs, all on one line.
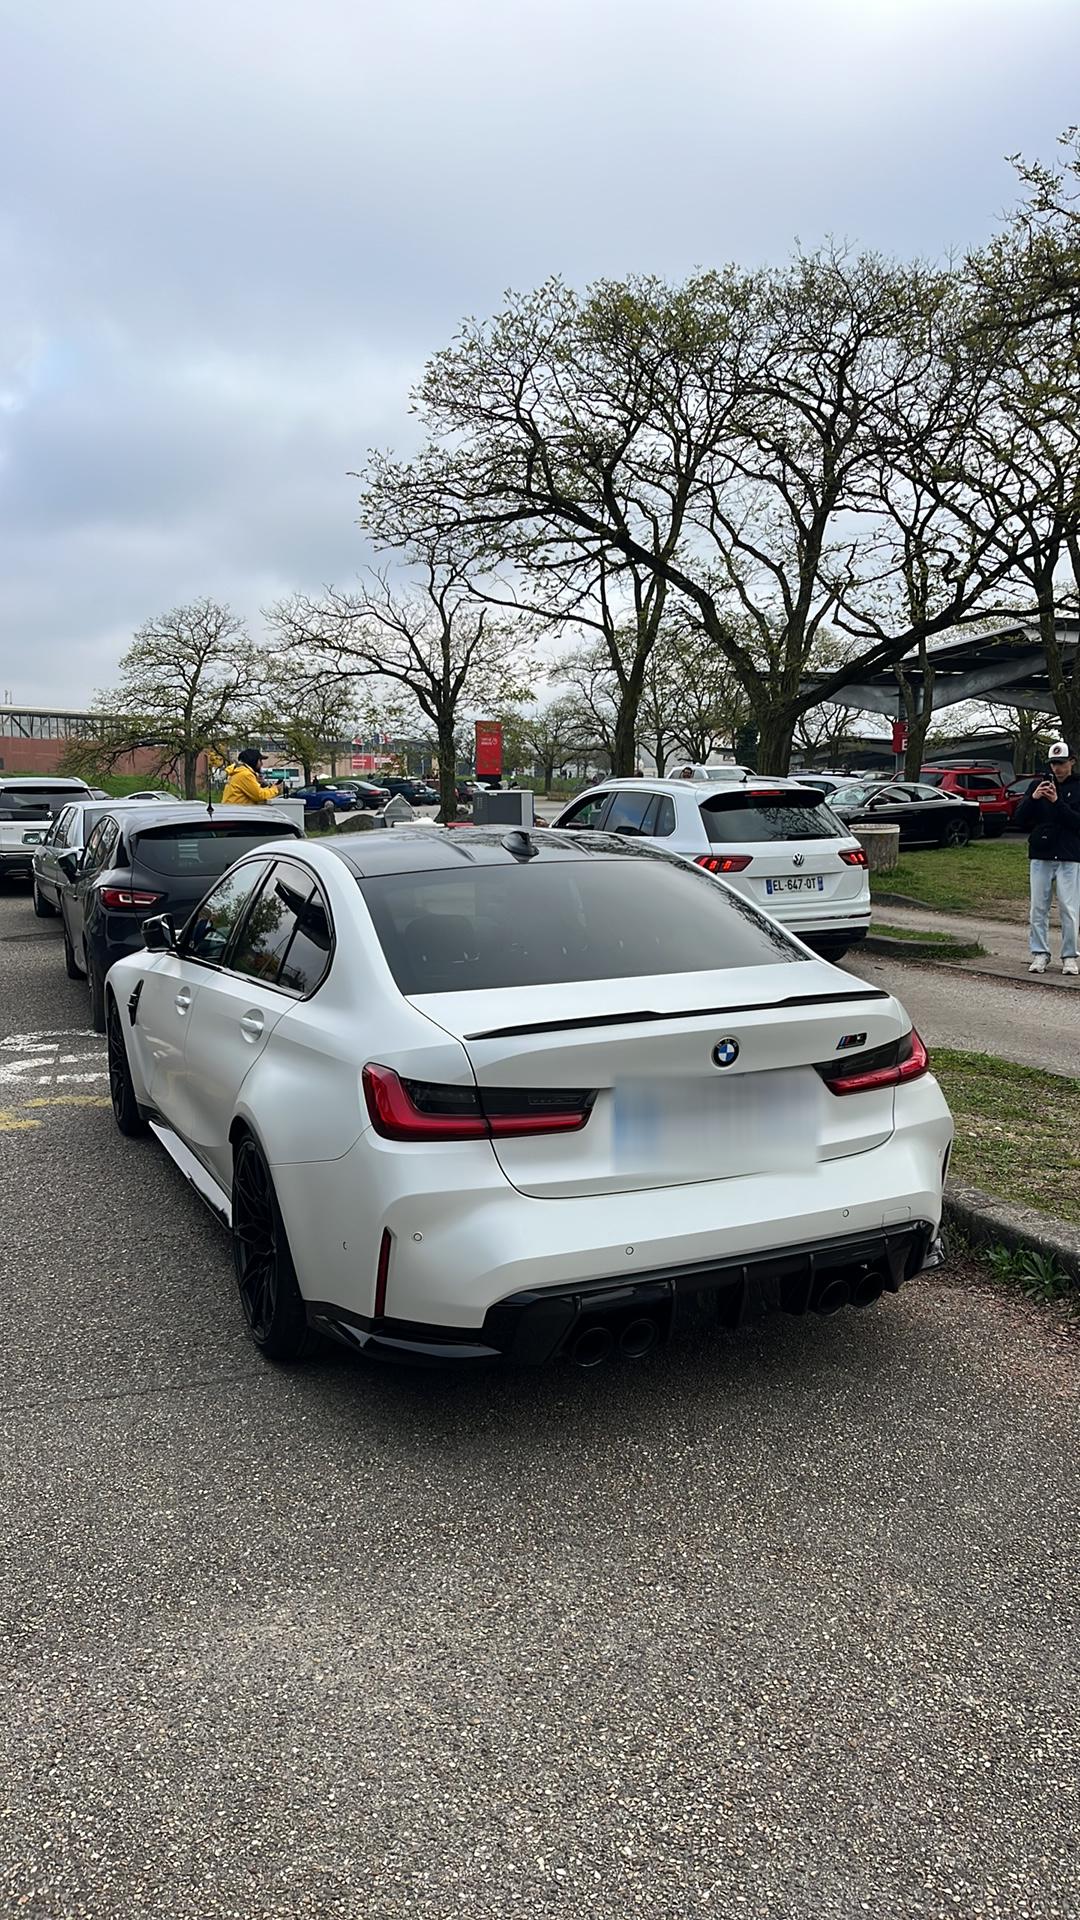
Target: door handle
{"points": [[251, 1026], [183, 1000]]}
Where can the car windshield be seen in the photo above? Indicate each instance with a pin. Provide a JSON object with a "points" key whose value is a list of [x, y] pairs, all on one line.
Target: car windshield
{"points": [[855, 796], [537, 924], [203, 847], [39, 803], [795, 814]]}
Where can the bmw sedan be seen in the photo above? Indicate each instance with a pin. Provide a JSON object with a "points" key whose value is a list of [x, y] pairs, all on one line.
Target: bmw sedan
{"points": [[466, 1096]]}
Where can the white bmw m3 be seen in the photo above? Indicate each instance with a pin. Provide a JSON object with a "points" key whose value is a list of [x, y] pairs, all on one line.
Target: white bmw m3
{"points": [[470, 1094]]}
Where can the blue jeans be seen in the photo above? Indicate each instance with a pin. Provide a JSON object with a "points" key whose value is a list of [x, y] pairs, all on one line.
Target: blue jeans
{"points": [[1044, 875]]}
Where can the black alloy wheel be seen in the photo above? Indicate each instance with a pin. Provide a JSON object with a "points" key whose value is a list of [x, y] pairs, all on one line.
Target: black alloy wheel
{"points": [[956, 834], [265, 1275], [42, 907], [125, 1106]]}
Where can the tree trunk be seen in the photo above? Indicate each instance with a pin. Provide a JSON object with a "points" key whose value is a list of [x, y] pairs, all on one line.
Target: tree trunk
{"points": [[660, 756], [306, 764], [1063, 675], [447, 771], [191, 776], [917, 719], [624, 748], [549, 775], [776, 732]]}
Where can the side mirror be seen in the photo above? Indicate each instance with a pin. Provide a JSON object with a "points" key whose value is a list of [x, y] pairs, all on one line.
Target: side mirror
{"points": [[69, 863], [159, 934]]}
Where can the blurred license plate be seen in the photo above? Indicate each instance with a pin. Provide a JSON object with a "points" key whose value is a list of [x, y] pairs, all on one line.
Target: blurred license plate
{"points": [[798, 883], [32, 839], [712, 1129]]}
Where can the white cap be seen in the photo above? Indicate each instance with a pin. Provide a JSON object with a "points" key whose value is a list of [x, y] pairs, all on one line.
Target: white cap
{"points": [[1061, 750]]}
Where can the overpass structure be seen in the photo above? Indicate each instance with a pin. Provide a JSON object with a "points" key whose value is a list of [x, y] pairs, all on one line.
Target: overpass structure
{"points": [[1008, 665]]}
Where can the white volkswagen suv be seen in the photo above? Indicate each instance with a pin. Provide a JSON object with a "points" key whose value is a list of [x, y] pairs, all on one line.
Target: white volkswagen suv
{"points": [[776, 842]]}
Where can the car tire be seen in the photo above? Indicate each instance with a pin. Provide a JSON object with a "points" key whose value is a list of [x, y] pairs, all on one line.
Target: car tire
{"points": [[126, 1110], [265, 1275], [71, 968], [956, 834], [97, 996], [42, 907]]}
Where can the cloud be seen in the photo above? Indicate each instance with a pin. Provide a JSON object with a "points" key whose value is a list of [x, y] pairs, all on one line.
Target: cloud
{"points": [[232, 234]]}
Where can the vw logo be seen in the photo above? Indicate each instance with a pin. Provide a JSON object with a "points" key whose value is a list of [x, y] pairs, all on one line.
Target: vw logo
{"points": [[797, 859], [725, 1053]]}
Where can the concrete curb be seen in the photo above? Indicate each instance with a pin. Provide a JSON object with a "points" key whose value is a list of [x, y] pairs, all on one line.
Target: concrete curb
{"points": [[920, 949], [988, 1222], [920, 957]]}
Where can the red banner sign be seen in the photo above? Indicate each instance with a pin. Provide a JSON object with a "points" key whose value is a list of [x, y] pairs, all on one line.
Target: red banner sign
{"points": [[899, 736], [489, 750]]}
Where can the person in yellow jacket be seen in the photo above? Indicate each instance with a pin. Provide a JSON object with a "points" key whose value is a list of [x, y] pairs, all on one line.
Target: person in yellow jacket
{"points": [[243, 787]]}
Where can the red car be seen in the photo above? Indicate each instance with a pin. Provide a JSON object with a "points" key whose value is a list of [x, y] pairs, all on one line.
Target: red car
{"points": [[984, 785]]}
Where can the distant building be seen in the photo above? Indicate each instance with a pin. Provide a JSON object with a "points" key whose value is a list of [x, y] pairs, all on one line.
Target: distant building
{"points": [[37, 740]]}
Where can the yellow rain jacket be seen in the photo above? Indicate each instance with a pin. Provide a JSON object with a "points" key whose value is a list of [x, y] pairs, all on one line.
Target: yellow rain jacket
{"points": [[243, 787]]}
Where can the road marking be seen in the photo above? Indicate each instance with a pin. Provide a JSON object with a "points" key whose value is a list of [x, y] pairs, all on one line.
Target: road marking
{"points": [[58, 1057], [16, 1120]]}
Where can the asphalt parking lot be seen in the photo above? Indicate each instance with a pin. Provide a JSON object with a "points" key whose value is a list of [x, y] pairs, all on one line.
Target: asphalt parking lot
{"points": [[780, 1623]]}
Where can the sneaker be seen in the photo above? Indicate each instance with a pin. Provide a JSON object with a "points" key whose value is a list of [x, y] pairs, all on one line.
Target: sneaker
{"points": [[1070, 966], [1040, 963]]}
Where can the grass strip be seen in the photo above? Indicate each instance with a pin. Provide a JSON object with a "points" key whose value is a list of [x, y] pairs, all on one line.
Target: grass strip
{"points": [[1017, 1130]]}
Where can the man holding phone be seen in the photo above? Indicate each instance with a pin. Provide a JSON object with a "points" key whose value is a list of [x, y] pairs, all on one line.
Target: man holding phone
{"points": [[1050, 810]]}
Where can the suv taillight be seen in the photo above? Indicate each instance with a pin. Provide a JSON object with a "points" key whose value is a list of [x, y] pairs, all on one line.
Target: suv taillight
{"points": [[128, 897], [421, 1110], [854, 857], [723, 862], [888, 1066]]}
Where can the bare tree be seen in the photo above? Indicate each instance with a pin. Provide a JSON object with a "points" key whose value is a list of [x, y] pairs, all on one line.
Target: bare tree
{"points": [[309, 709], [185, 689], [432, 645]]}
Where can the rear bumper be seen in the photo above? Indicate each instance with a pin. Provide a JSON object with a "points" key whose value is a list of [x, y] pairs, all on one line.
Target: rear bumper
{"points": [[465, 1243], [17, 860], [588, 1322]]}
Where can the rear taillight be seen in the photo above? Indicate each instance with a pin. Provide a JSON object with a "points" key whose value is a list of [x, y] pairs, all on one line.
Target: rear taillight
{"points": [[724, 862], [128, 897], [854, 857], [419, 1110], [888, 1066]]}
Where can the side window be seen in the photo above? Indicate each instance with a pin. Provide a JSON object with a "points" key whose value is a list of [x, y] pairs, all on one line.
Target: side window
{"points": [[662, 823], [587, 813], [57, 835], [209, 930], [98, 845], [309, 955], [279, 920], [628, 811]]}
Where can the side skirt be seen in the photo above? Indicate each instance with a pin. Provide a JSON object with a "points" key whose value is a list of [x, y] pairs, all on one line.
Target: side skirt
{"points": [[193, 1171]]}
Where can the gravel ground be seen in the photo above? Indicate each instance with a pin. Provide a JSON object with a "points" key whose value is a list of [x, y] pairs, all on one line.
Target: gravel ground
{"points": [[1036, 1026], [783, 1623]]}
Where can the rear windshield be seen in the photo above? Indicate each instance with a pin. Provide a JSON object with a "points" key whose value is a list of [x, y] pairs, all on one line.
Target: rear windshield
{"points": [[202, 848], [732, 817], [536, 925], [37, 803]]}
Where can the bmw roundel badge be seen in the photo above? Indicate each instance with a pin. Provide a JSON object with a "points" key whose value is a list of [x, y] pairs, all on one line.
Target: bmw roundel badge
{"points": [[725, 1053]]}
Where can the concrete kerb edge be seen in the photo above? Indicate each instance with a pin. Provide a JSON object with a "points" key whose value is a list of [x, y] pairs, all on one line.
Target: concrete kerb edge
{"points": [[916, 949], [988, 1222], [918, 956]]}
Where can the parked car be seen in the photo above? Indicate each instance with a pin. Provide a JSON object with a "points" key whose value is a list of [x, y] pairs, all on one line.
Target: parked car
{"points": [[418, 793], [778, 844], [924, 815], [142, 859], [365, 793], [68, 833], [152, 793], [374, 1057], [29, 803], [1018, 790], [322, 794], [984, 785], [826, 783]]}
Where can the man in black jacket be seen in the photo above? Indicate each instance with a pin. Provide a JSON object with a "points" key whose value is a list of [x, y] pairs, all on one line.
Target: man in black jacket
{"points": [[1051, 810]]}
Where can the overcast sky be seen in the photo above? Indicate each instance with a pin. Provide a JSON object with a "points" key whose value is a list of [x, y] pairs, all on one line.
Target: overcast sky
{"points": [[231, 233]]}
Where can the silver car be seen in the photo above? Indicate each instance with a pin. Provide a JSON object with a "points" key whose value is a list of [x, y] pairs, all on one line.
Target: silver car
{"points": [[776, 842], [68, 833]]}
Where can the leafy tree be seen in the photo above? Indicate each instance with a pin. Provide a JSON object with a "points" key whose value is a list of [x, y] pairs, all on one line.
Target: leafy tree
{"points": [[185, 689]]}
